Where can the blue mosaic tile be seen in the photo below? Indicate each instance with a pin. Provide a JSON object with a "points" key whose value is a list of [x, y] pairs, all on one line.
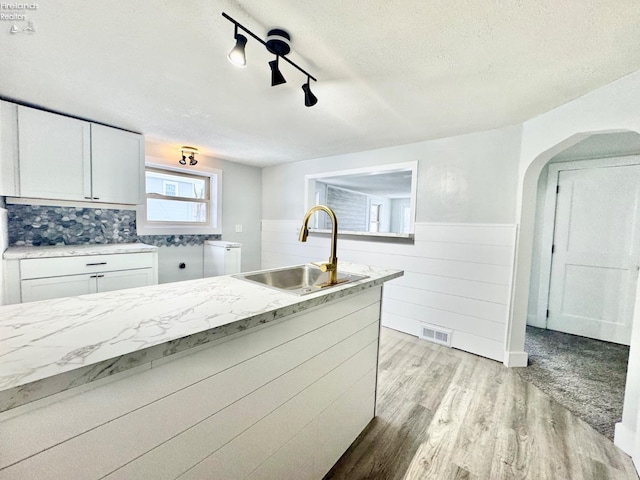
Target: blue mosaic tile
{"points": [[36, 225]]}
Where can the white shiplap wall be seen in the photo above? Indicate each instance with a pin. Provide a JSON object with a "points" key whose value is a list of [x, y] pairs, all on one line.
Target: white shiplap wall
{"points": [[457, 276]]}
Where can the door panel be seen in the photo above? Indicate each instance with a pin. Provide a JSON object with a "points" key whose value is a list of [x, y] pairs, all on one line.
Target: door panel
{"points": [[594, 265], [116, 163], [56, 287], [54, 155], [109, 281]]}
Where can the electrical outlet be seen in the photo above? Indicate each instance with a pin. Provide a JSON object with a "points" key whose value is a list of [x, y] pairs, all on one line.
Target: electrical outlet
{"points": [[238, 228]]}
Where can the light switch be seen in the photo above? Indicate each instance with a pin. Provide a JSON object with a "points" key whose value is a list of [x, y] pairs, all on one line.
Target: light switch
{"points": [[238, 228]]}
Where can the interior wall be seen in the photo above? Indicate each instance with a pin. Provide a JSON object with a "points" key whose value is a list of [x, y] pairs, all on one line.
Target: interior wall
{"points": [[456, 276], [612, 108], [465, 179], [461, 260], [171, 258], [241, 205]]}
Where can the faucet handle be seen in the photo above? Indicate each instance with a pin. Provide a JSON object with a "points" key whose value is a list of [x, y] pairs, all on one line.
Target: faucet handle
{"points": [[323, 266]]}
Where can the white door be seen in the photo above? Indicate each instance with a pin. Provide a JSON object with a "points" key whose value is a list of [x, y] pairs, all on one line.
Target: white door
{"points": [[594, 266]]}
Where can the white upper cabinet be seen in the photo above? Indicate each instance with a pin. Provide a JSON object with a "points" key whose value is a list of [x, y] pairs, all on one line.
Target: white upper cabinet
{"points": [[117, 165], [54, 156], [63, 158], [8, 149]]}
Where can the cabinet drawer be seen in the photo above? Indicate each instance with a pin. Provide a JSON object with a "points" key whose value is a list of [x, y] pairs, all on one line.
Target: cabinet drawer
{"points": [[53, 267]]}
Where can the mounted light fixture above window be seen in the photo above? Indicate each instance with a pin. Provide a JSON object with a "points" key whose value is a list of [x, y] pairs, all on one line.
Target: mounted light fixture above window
{"points": [[192, 152], [279, 43]]}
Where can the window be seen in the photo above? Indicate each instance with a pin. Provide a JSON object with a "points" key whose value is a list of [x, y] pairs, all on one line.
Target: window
{"points": [[180, 201], [379, 200]]}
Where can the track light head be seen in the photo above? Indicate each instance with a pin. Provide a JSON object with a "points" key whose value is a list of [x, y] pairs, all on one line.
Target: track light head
{"points": [[183, 160], [309, 98], [276, 75], [237, 55]]}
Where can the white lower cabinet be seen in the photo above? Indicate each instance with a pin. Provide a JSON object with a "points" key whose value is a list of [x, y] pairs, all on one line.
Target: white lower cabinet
{"points": [[55, 287], [33, 279], [72, 285]]}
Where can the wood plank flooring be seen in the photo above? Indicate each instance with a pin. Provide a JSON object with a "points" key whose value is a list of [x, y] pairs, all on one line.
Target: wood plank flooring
{"points": [[445, 414]]}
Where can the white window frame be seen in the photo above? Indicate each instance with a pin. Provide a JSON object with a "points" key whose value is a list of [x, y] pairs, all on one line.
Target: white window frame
{"points": [[214, 226], [310, 189]]}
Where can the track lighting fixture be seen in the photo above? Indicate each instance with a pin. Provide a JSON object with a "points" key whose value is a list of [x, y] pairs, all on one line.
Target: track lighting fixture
{"points": [[276, 76], [192, 151], [278, 42], [309, 98], [237, 55]]}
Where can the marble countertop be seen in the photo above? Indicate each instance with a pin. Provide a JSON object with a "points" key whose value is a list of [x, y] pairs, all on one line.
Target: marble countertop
{"points": [[17, 253], [50, 346]]}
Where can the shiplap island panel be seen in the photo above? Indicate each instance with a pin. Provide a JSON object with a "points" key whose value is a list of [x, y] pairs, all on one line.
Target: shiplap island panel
{"points": [[262, 380]]}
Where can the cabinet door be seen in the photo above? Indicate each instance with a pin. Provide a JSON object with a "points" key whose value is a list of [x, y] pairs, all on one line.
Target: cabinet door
{"points": [[54, 157], [118, 280], [56, 287], [117, 164]]}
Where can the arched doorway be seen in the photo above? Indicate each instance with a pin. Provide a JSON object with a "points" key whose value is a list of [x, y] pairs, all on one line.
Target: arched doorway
{"points": [[582, 145]]}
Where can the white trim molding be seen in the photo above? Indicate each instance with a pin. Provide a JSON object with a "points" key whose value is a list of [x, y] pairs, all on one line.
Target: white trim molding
{"points": [[624, 438], [516, 359]]}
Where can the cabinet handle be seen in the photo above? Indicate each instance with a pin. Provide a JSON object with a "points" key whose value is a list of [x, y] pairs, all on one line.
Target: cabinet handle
{"points": [[88, 198], [93, 276], [97, 263], [95, 198], [99, 276]]}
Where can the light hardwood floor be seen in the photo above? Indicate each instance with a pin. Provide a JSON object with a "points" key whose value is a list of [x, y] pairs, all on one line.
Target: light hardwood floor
{"points": [[445, 414]]}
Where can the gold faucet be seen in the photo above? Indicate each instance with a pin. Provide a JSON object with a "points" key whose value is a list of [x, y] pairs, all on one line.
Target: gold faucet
{"points": [[332, 265]]}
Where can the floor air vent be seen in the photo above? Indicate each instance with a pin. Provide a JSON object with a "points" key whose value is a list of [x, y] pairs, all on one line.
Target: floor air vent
{"points": [[436, 334]]}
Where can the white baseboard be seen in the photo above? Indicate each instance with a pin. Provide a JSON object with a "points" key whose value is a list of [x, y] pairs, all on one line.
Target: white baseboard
{"points": [[515, 359], [624, 438]]}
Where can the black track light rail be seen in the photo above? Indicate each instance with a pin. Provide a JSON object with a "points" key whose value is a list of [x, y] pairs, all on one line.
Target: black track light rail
{"points": [[239, 25]]}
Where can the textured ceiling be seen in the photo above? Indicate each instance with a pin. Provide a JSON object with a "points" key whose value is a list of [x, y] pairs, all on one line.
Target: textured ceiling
{"points": [[388, 73]]}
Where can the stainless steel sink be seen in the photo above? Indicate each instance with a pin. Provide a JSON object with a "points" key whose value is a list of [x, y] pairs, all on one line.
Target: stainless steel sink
{"points": [[299, 279]]}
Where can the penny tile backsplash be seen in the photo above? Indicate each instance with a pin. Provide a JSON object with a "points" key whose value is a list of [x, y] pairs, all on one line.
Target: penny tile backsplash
{"points": [[35, 225]]}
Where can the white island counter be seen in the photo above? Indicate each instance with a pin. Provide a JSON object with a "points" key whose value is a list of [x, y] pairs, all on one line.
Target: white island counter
{"points": [[214, 378]]}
